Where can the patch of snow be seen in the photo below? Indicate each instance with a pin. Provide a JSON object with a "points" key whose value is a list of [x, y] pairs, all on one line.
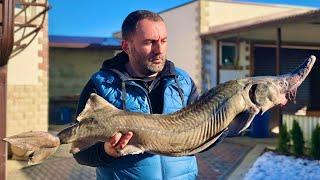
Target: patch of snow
{"points": [[274, 166]]}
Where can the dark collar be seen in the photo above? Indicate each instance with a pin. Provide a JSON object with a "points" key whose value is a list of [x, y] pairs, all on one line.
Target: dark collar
{"points": [[118, 62]]}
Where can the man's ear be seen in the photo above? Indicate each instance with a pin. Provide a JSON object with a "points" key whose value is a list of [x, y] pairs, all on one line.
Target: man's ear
{"points": [[125, 46]]}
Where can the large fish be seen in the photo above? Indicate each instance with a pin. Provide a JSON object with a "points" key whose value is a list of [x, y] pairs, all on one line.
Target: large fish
{"points": [[185, 132]]}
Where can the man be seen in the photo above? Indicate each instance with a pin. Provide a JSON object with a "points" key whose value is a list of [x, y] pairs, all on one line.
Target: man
{"points": [[139, 79]]}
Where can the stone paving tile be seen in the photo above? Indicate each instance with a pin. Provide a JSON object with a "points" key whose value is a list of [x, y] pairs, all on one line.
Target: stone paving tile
{"points": [[58, 169], [220, 161], [216, 163]]}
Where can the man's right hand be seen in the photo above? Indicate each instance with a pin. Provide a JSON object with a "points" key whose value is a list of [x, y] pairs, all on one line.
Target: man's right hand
{"points": [[118, 141]]}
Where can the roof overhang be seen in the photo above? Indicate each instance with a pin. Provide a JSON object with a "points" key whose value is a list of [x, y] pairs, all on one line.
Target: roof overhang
{"points": [[84, 42], [298, 25], [82, 46]]}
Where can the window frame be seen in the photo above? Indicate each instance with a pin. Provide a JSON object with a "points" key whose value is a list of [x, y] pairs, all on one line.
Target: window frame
{"points": [[233, 65]]}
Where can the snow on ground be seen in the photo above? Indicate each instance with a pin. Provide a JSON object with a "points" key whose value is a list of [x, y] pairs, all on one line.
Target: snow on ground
{"points": [[271, 166]]}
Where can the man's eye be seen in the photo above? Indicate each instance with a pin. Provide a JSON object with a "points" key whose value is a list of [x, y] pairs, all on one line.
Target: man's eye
{"points": [[147, 42]]}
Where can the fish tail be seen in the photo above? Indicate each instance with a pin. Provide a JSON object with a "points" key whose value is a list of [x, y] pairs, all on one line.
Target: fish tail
{"points": [[38, 145]]}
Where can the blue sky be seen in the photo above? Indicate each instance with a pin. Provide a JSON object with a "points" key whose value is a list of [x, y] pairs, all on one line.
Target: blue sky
{"points": [[103, 17]]}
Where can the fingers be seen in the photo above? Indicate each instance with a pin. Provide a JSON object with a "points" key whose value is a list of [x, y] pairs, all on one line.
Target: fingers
{"points": [[110, 150], [117, 141], [124, 140]]}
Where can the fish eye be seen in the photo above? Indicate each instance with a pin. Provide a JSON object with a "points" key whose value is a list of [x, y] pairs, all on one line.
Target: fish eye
{"points": [[281, 83]]}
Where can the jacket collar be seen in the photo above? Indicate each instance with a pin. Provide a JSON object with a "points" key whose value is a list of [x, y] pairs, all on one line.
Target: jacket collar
{"points": [[118, 63]]}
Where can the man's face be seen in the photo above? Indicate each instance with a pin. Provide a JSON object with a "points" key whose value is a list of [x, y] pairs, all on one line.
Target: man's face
{"points": [[147, 47]]}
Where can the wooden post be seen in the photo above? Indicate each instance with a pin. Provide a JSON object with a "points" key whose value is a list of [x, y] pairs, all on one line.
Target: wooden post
{"points": [[3, 102], [6, 32], [6, 44], [278, 56], [278, 51], [218, 62], [251, 58]]}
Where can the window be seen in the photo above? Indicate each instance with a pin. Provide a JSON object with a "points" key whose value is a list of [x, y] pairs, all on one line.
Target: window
{"points": [[228, 54]]}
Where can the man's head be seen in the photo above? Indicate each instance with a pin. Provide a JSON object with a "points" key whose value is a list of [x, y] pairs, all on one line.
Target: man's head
{"points": [[145, 41]]}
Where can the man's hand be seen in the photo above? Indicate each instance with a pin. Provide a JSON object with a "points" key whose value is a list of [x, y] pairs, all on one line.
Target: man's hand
{"points": [[118, 141]]}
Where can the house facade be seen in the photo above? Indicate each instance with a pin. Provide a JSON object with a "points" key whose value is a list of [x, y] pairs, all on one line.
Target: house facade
{"points": [[216, 41]]}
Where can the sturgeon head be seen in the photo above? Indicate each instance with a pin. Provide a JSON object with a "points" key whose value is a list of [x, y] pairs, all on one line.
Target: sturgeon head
{"points": [[264, 92]]}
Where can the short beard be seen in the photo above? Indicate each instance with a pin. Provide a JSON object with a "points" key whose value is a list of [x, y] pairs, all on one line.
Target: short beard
{"points": [[147, 67], [152, 68]]}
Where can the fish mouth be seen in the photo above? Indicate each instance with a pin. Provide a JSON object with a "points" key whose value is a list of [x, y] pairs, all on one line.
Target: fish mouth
{"points": [[296, 77]]}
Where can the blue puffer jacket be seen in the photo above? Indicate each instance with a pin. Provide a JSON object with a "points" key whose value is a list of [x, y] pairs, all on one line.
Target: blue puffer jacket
{"points": [[124, 92]]}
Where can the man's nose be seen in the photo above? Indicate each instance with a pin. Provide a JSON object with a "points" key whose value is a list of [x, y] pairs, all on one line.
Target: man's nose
{"points": [[158, 47]]}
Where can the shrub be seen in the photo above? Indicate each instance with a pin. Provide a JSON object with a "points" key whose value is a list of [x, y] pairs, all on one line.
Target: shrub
{"points": [[283, 140], [315, 143], [297, 139]]}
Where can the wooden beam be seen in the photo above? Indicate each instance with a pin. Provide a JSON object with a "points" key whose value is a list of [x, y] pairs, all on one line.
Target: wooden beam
{"points": [[278, 49], [278, 57], [6, 45], [251, 58], [3, 103], [272, 43], [218, 62], [6, 40]]}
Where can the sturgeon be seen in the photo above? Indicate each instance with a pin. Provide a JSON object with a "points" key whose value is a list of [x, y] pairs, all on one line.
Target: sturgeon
{"points": [[185, 132]]}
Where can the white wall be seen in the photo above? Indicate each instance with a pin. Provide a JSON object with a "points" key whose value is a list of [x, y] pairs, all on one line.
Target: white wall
{"points": [[226, 75], [218, 13], [23, 69], [184, 43]]}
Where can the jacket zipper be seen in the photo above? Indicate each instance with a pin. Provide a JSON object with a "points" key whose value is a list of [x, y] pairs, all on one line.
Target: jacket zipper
{"points": [[144, 90]]}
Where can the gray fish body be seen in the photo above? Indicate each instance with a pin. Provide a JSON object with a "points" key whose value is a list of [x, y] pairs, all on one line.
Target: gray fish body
{"points": [[185, 132], [188, 131]]}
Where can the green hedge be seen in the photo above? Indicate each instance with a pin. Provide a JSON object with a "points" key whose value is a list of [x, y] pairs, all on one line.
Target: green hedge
{"points": [[283, 140], [297, 139], [315, 143]]}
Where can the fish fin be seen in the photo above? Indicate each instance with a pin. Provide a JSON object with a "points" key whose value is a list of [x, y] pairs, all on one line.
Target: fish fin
{"points": [[40, 155], [238, 123], [203, 147], [80, 145], [217, 140], [252, 113], [36, 143], [94, 103], [130, 149], [210, 143]]}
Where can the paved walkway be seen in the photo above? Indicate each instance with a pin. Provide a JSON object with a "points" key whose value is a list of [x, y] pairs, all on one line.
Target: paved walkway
{"points": [[217, 163]]}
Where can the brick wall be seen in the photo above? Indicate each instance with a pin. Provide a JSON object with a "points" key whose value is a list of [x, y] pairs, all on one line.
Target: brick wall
{"points": [[27, 96]]}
